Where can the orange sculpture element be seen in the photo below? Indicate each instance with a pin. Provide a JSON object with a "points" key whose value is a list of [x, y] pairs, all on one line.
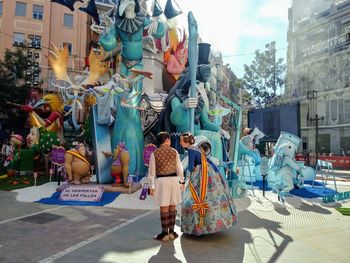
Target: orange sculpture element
{"points": [[176, 56], [120, 165]]}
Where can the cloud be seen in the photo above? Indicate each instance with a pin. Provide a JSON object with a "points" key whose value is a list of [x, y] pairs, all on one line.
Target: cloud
{"points": [[275, 10], [232, 26], [218, 22], [257, 30]]}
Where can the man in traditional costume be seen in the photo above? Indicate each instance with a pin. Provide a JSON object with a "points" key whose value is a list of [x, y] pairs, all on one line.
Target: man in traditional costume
{"points": [[166, 182]]}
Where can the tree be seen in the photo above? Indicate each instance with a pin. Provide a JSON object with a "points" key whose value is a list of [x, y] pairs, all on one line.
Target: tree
{"points": [[265, 75], [13, 89]]}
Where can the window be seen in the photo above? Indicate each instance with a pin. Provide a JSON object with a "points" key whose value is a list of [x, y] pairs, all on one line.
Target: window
{"points": [[36, 41], [1, 8], [38, 12], [68, 20], [69, 45], [21, 9], [18, 39]]}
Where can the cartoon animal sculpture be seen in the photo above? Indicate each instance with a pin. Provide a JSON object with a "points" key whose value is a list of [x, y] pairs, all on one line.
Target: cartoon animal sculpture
{"points": [[120, 165], [76, 165], [283, 166]]}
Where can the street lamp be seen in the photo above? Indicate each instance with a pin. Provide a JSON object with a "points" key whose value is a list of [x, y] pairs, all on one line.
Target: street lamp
{"points": [[312, 95]]}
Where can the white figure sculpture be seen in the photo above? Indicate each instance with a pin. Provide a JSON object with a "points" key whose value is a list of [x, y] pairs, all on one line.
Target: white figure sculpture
{"points": [[283, 168]]}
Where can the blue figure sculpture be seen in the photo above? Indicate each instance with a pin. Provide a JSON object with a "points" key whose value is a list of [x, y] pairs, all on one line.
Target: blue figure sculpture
{"points": [[175, 117], [129, 27]]}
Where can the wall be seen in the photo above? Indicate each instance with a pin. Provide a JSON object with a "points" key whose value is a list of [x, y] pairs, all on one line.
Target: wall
{"points": [[272, 121]]}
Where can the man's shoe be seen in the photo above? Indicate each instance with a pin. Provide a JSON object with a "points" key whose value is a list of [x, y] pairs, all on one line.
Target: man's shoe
{"points": [[173, 235], [161, 237]]}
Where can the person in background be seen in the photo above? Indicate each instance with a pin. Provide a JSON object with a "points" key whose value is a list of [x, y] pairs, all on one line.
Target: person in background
{"points": [[342, 152], [166, 180]]}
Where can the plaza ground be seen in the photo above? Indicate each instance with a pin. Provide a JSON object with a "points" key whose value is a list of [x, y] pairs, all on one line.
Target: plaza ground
{"points": [[302, 230]]}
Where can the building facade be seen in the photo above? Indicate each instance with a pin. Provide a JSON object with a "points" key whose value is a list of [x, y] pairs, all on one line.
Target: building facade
{"points": [[318, 72], [38, 23]]}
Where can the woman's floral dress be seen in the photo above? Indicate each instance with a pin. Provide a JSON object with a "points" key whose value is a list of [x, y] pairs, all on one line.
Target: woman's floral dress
{"points": [[207, 203]]}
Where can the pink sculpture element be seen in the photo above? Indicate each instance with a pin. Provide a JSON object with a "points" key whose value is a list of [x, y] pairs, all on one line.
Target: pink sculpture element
{"points": [[149, 149]]}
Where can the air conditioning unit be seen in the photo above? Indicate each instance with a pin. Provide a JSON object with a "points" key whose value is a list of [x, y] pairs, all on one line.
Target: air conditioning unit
{"points": [[17, 44]]}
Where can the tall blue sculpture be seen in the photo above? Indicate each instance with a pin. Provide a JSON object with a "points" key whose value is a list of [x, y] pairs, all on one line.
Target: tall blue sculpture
{"points": [[129, 27]]}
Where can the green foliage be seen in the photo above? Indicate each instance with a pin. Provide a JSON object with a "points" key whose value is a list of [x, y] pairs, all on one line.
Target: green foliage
{"points": [[13, 89], [265, 75]]}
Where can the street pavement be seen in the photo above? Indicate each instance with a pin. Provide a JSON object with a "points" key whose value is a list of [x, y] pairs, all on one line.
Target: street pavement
{"points": [[302, 230]]}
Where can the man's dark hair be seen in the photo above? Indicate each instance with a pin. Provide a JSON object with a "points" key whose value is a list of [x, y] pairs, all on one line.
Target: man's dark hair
{"points": [[162, 137]]}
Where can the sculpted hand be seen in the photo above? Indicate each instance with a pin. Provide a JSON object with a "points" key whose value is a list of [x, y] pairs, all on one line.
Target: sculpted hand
{"points": [[27, 108], [151, 192], [191, 103], [225, 134], [106, 154]]}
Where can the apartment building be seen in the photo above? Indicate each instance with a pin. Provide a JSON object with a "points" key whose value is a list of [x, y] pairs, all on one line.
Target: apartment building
{"points": [[37, 23], [319, 72]]}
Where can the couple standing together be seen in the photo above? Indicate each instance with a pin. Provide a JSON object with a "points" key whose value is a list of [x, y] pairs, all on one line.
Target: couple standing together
{"points": [[207, 205]]}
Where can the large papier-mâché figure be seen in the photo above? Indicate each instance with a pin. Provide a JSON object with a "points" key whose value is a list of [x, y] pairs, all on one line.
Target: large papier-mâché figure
{"points": [[283, 167], [246, 146], [120, 165], [13, 153], [51, 128], [76, 165], [249, 156], [129, 27], [175, 117]]}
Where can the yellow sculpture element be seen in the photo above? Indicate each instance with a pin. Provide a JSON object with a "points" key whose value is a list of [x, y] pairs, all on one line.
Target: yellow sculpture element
{"points": [[54, 122], [97, 67], [58, 60], [54, 102], [173, 43]]}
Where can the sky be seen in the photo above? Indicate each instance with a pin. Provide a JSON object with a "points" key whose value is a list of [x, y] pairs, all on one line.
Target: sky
{"points": [[237, 28]]}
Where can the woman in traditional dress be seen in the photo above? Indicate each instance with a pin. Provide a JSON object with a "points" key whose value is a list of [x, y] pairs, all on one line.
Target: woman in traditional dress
{"points": [[207, 203]]}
